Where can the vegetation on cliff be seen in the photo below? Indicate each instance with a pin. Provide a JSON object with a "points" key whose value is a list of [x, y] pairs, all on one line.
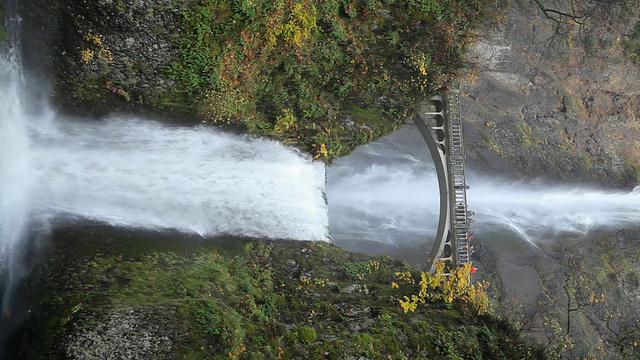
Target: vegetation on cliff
{"points": [[105, 292], [325, 76], [328, 75]]}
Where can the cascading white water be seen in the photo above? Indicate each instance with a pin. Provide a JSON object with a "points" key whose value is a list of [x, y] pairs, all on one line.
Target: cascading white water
{"points": [[387, 191], [15, 174], [384, 192], [133, 172], [537, 212]]}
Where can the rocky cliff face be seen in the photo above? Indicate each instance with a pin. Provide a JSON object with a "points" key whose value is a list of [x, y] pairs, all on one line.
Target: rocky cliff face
{"points": [[104, 56], [558, 102]]}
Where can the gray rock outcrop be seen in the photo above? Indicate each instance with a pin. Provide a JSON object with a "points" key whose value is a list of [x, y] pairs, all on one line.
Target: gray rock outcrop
{"points": [[557, 103]]}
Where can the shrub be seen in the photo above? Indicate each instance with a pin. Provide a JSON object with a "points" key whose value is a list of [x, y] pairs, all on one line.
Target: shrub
{"points": [[306, 334], [456, 286], [302, 70]]}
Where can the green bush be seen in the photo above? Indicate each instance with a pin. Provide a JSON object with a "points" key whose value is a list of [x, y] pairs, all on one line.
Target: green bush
{"points": [[632, 46], [306, 334]]}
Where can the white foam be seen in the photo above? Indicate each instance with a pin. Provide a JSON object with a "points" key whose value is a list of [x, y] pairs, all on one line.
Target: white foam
{"points": [[15, 175], [134, 172]]}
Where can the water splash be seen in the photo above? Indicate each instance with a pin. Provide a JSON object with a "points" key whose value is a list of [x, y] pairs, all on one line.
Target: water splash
{"points": [[387, 192], [133, 172], [384, 192]]}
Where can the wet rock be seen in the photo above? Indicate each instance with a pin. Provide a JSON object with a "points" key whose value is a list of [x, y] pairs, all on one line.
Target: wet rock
{"points": [[119, 333], [88, 45]]}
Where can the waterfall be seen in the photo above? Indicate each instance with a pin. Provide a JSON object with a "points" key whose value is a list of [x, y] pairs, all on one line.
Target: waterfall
{"points": [[129, 171], [15, 181], [133, 172], [387, 192], [15, 177]]}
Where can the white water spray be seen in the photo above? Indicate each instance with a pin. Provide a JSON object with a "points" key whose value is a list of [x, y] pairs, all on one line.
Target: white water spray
{"points": [[132, 172], [388, 192], [15, 176], [538, 212]]}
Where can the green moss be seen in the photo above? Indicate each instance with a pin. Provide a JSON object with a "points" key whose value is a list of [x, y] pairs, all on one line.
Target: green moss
{"points": [[229, 297], [574, 106], [306, 334], [632, 44], [526, 134], [491, 142]]}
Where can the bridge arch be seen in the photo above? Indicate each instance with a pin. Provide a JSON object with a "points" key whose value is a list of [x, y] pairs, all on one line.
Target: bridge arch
{"points": [[441, 128]]}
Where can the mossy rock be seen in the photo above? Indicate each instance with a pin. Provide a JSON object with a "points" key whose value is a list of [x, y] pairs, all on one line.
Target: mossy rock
{"points": [[104, 291], [325, 77]]}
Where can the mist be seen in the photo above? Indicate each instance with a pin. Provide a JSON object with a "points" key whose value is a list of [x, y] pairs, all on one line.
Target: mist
{"points": [[387, 192]]}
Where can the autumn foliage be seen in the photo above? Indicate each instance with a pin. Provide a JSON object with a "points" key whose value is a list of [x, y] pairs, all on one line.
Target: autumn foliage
{"points": [[455, 287], [339, 72]]}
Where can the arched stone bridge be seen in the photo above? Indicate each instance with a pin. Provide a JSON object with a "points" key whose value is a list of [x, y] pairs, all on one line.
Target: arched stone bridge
{"points": [[441, 127]]}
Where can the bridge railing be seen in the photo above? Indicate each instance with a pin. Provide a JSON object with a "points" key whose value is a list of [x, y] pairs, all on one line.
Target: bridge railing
{"points": [[456, 159]]}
